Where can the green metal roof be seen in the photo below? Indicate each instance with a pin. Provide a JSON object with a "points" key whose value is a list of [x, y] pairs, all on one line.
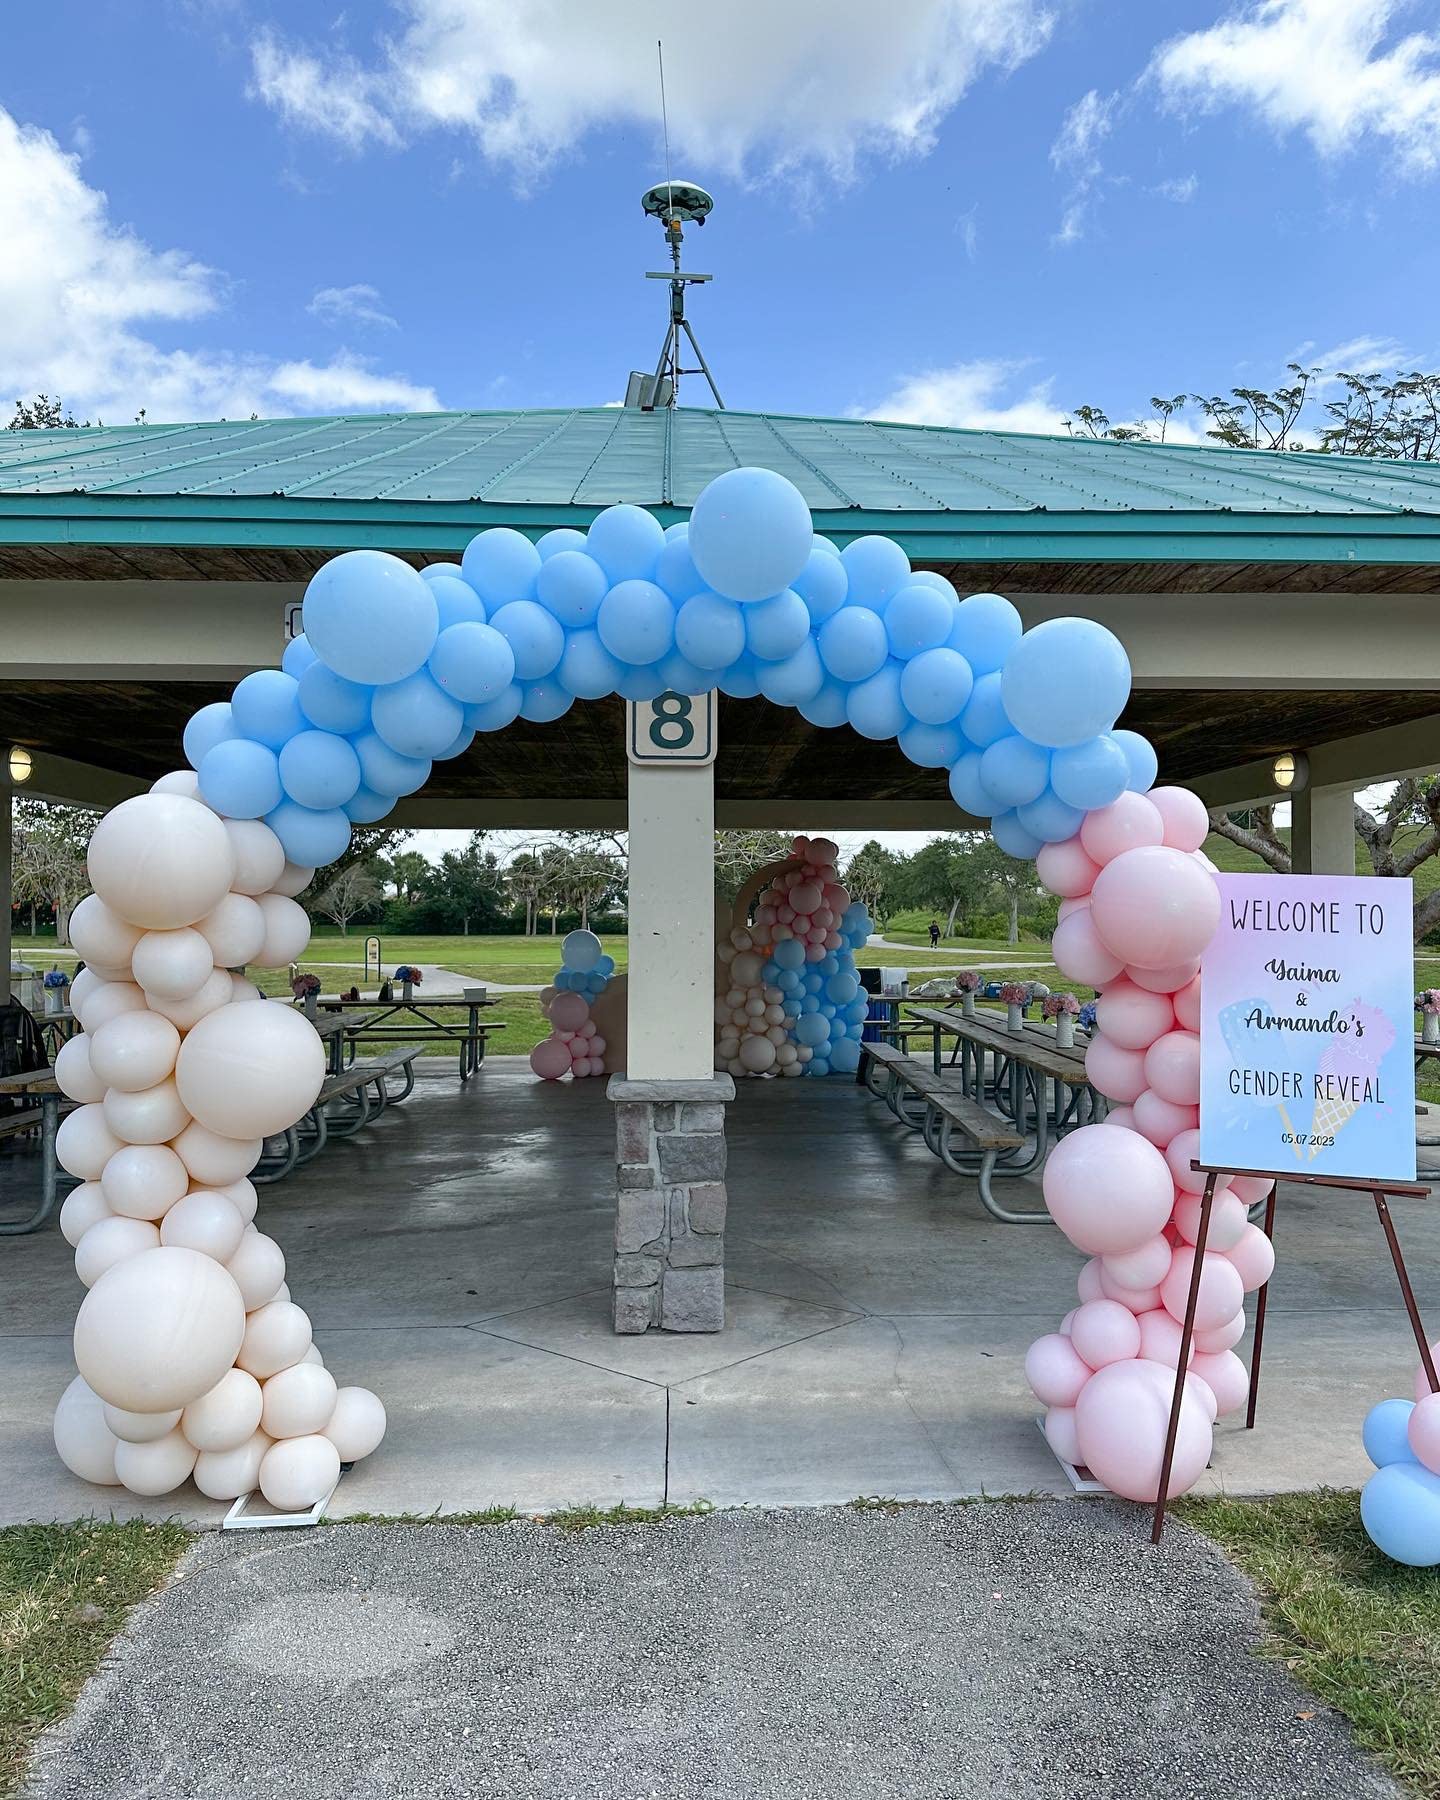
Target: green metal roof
{"points": [[421, 481]]}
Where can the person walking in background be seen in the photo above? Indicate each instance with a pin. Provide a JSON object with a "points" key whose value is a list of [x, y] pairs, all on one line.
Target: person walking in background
{"points": [[934, 934]]}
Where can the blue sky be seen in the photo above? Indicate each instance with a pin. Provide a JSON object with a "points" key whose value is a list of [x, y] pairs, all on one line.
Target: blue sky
{"points": [[965, 211]]}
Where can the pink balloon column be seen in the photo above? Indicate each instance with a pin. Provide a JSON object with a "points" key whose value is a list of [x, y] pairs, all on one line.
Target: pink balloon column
{"points": [[1139, 904]]}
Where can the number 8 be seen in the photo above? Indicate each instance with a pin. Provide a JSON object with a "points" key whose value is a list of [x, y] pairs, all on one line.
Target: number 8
{"points": [[672, 710]]}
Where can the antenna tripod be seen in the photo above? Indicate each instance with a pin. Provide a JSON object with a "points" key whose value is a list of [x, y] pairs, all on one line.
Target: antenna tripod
{"points": [[675, 204]]}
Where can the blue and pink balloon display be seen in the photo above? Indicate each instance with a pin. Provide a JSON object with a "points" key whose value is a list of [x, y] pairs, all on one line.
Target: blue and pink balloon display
{"points": [[1400, 1503]]}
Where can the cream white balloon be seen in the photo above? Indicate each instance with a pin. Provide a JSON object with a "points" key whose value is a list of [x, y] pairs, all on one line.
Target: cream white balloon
{"points": [[100, 935], [143, 1181], [213, 1159], [287, 932], [259, 856], [204, 1220], [160, 860], [106, 1001], [74, 1076], [234, 930], [159, 1329], [242, 1196], [109, 1242], [172, 965], [247, 1071], [85, 1143], [134, 1050], [84, 1442], [298, 1473], [293, 879], [216, 990], [228, 1416], [258, 1268], [158, 1467], [298, 1401], [227, 1474], [357, 1424], [184, 782], [140, 1428], [277, 1335], [83, 1207], [153, 1116], [242, 991]]}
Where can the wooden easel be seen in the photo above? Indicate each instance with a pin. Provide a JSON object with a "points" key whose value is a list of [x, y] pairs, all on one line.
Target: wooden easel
{"points": [[1379, 1190]]}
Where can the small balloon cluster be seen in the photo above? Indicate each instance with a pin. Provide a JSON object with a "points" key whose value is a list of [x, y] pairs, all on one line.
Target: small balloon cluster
{"points": [[574, 1046], [787, 998], [1138, 904], [1400, 1503], [193, 1360]]}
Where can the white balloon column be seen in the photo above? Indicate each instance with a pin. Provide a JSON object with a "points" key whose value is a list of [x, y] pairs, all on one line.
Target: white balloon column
{"points": [[193, 1360]]}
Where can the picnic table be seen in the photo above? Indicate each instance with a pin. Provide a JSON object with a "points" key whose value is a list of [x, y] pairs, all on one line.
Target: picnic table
{"points": [[470, 1036], [41, 1084], [339, 1031]]}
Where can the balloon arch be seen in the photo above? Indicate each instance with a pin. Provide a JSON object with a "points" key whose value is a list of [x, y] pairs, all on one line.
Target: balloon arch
{"points": [[193, 1360]]}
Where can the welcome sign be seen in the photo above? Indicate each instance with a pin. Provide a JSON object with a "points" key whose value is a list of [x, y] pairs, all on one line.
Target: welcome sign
{"points": [[1307, 1027]]}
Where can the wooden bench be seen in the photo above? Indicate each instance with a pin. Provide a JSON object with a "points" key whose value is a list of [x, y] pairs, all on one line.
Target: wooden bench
{"points": [[362, 1091]]}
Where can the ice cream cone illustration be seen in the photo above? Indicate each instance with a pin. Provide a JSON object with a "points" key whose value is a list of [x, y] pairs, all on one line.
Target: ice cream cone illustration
{"points": [[1247, 1044], [1349, 1060]]}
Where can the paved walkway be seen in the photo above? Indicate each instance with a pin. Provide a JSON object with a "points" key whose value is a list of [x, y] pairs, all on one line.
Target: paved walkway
{"points": [[1011, 1652]]}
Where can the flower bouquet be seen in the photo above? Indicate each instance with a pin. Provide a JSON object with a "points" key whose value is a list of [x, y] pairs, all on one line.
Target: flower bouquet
{"points": [[967, 982], [1016, 996], [1427, 1004], [55, 981], [1063, 1009], [409, 978], [306, 989]]}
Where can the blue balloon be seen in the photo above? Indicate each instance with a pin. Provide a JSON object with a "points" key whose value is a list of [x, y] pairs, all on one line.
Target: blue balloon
{"points": [[936, 684], [1140, 756], [874, 707], [853, 645], [797, 678], [606, 965], [266, 706], [456, 602], [545, 700], [814, 980], [928, 578], [596, 982], [822, 584], [298, 657], [386, 771], [857, 1012], [845, 1056], [876, 567], [458, 745], [637, 622], [370, 616], [496, 714], [1013, 838], [571, 585], [240, 778], [311, 839], [818, 1066], [810, 1028], [986, 629], [333, 703], [366, 807], [1014, 770], [1049, 818], [554, 542], [827, 708], [682, 677], [501, 565], [535, 636], [1400, 1508], [741, 680], [787, 980], [641, 684], [415, 717], [1385, 1433], [626, 541], [1065, 681], [675, 571], [967, 790], [440, 571], [587, 669], [750, 534], [1091, 774], [790, 953], [777, 627], [917, 619], [842, 988], [320, 770], [983, 720], [472, 662], [931, 746], [827, 1011], [710, 631], [210, 726]]}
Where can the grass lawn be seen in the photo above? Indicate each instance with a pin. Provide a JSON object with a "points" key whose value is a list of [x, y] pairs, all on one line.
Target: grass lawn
{"points": [[1361, 1632], [64, 1593]]}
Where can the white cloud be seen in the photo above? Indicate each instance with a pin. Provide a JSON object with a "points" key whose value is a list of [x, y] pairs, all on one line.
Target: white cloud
{"points": [[1076, 153], [1338, 70], [972, 394], [76, 288], [812, 84], [1181, 190], [358, 304]]}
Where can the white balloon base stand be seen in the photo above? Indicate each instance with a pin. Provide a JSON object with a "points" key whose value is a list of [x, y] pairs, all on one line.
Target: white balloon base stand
{"points": [[239, 1518], [1081, 1480]]}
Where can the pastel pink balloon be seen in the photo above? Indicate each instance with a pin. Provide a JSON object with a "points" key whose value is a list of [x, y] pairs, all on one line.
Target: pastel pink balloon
{"points": [[1252, 1189], [1160, 1338], [1103, 1331], [1186, 1002], [1133, 1018], [805, 897], [1253, 1257], [1055, 1372], [1135, 1299], [1228, 1220], [1423, 1431], [1221, 1293], [1422, 1380], [1223, 1337], [1064, 1326], [1160, 1120], [1226, 1377], [1081, 903], [1121, 1115], [1126, 824], [568, 1012], [1060, 1434], [1186, 822], [1172, 1067], [1065, 869], [1180, 1152], [1079, 953], [1155, 907], [1121, 1420], [1107, 1189], [1119, 1074], [550, 1059], [1145, 1266], [1166, 981], [1087, 1284]]}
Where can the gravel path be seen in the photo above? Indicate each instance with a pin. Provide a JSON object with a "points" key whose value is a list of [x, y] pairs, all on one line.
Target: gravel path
{"points": [[1030, 1651]]}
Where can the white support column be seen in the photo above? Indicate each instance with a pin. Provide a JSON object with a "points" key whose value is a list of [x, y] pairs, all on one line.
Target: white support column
{"points": [[7, 805], [672, 922], [1322, 831]]}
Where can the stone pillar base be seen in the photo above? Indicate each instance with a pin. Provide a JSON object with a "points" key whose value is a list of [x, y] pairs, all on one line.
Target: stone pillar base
{"points": [[670, 1203]]}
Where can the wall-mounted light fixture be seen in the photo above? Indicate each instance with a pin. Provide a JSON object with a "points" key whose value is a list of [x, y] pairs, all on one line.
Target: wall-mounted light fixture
{"points": [[1291, 770], [21, 763]]}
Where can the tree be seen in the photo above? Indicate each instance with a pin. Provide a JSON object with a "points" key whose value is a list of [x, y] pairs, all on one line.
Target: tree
{"points": [[410, 873], [873, 876], [49, 842], [1007, 879], [42, 414], [943, 876], [1398, 837], [368, 845], [349, 894], [526, 876], [738, 854], [469, 885]]}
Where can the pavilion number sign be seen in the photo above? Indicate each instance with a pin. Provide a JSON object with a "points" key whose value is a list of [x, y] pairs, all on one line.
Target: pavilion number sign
{"points": [[671, 728]]}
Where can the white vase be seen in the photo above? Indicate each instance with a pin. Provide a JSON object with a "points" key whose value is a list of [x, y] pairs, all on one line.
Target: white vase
{"points": [[1014, 1017], [1065, 1030], [407, 990], [1430, 1028], [967, 1005], [311, 1005]]}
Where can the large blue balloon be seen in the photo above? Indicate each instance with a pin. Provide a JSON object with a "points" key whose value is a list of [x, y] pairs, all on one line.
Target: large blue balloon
{"points": [[794, 680], [928, 578], [210, 726], [810, 1028], [930, 746], [1091, 774], [986, 629], [710, 631], [983, 720], [415, 717], [917, 618], [1140, 756], [822, 584], [333, 703], [1065, 681], [545, 700], [320, 770], [967, 790], [1049, 818], [874, 707], [1013, 838], [385, 771], [572, 585], [366, 807], [501, 565], [642, 683], [936, 684], [535, 636], [472, 663], [587, 669], [266, 706], [626, 541], [750, 534], [311, 839], [675, 571], [1014, 770], [240, 778], [371, 617], [456, 602], [790, 953], [554, 542], [1400, 1508], [853, 645], [637, 622], [777, 627], [298, 657], [741, 680], [1386, 1432], [876, 568], [845, 1056], [682, 677], [496, 714], [827, 708]]}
